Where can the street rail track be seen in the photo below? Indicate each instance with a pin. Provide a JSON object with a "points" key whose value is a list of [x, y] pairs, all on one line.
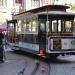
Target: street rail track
{"points": [[24, 68], [44, 69], [35, 68], [40, 68]]}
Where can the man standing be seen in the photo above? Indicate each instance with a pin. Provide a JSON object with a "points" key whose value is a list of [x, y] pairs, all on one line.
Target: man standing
{"points": [[1, 46]]}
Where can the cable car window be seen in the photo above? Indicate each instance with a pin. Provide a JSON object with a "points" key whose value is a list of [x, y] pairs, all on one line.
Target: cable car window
{"points": [[42, 25], [11, 32], [19, 26], [54, 26], [47, 26], [28, 26], [34, 26], [59, 25], [68, 26], [24, 26], [11, 26]]}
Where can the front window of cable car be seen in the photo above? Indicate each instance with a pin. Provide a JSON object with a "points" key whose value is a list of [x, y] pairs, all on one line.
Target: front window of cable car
{"points": [[68, 26], [59, 25], [74, 26], [48, 26], [54, 26], [42, 26], [42, 23]]}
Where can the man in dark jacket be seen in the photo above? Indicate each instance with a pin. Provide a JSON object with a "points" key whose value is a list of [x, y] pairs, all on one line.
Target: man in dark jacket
{"points": [[1, 47]]}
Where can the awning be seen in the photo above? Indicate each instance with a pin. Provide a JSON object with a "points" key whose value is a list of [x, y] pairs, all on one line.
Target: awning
{"points": [[3, 27]]}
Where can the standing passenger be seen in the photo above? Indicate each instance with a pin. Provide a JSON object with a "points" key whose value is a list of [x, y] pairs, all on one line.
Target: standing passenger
{"points": [[1, 47]]}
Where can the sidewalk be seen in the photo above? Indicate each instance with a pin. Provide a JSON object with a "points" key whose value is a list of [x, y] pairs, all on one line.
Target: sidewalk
{"points": [[12, 64]]}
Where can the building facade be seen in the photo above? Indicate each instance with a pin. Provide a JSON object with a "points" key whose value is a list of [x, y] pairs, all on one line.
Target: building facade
{"points": [[31, 4], [7, 8]]}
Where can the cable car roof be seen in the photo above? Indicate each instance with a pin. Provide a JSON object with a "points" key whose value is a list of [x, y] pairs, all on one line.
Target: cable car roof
{"points": [[56, 13], [47, 7]]}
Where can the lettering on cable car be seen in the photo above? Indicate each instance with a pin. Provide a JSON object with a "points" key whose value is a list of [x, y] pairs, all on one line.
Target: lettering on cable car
{"points": [[56, 44]]}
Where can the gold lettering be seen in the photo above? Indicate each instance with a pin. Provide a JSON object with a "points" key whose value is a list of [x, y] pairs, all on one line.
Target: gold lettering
{"points": [[56, 44]]}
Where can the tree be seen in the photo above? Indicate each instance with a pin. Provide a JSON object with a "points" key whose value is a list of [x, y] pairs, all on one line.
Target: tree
{"points": [[73, 7]]}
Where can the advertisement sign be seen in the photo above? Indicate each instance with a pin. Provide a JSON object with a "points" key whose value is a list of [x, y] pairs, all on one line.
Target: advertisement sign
{"points": [[72, 43], [66, 43], [62, 44]]}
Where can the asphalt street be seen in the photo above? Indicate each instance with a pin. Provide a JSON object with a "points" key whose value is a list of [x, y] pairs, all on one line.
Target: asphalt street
{"points": [[15, 64]]}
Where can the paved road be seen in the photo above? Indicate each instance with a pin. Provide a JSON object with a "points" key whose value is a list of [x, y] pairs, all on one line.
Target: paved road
{"points": [[15, 64], [65, 65]]}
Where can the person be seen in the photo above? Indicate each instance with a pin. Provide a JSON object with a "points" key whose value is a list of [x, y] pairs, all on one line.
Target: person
{"points": [[1, 46], [5, 43]]}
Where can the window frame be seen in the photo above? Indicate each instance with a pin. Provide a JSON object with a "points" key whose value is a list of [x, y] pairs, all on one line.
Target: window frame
{"points": [[62, 26], [34, 5], [3, 3]]}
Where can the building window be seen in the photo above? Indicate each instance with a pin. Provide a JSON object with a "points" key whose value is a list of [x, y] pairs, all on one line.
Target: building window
{"points": [[3, 2], [14, 2], [35, 3]]}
